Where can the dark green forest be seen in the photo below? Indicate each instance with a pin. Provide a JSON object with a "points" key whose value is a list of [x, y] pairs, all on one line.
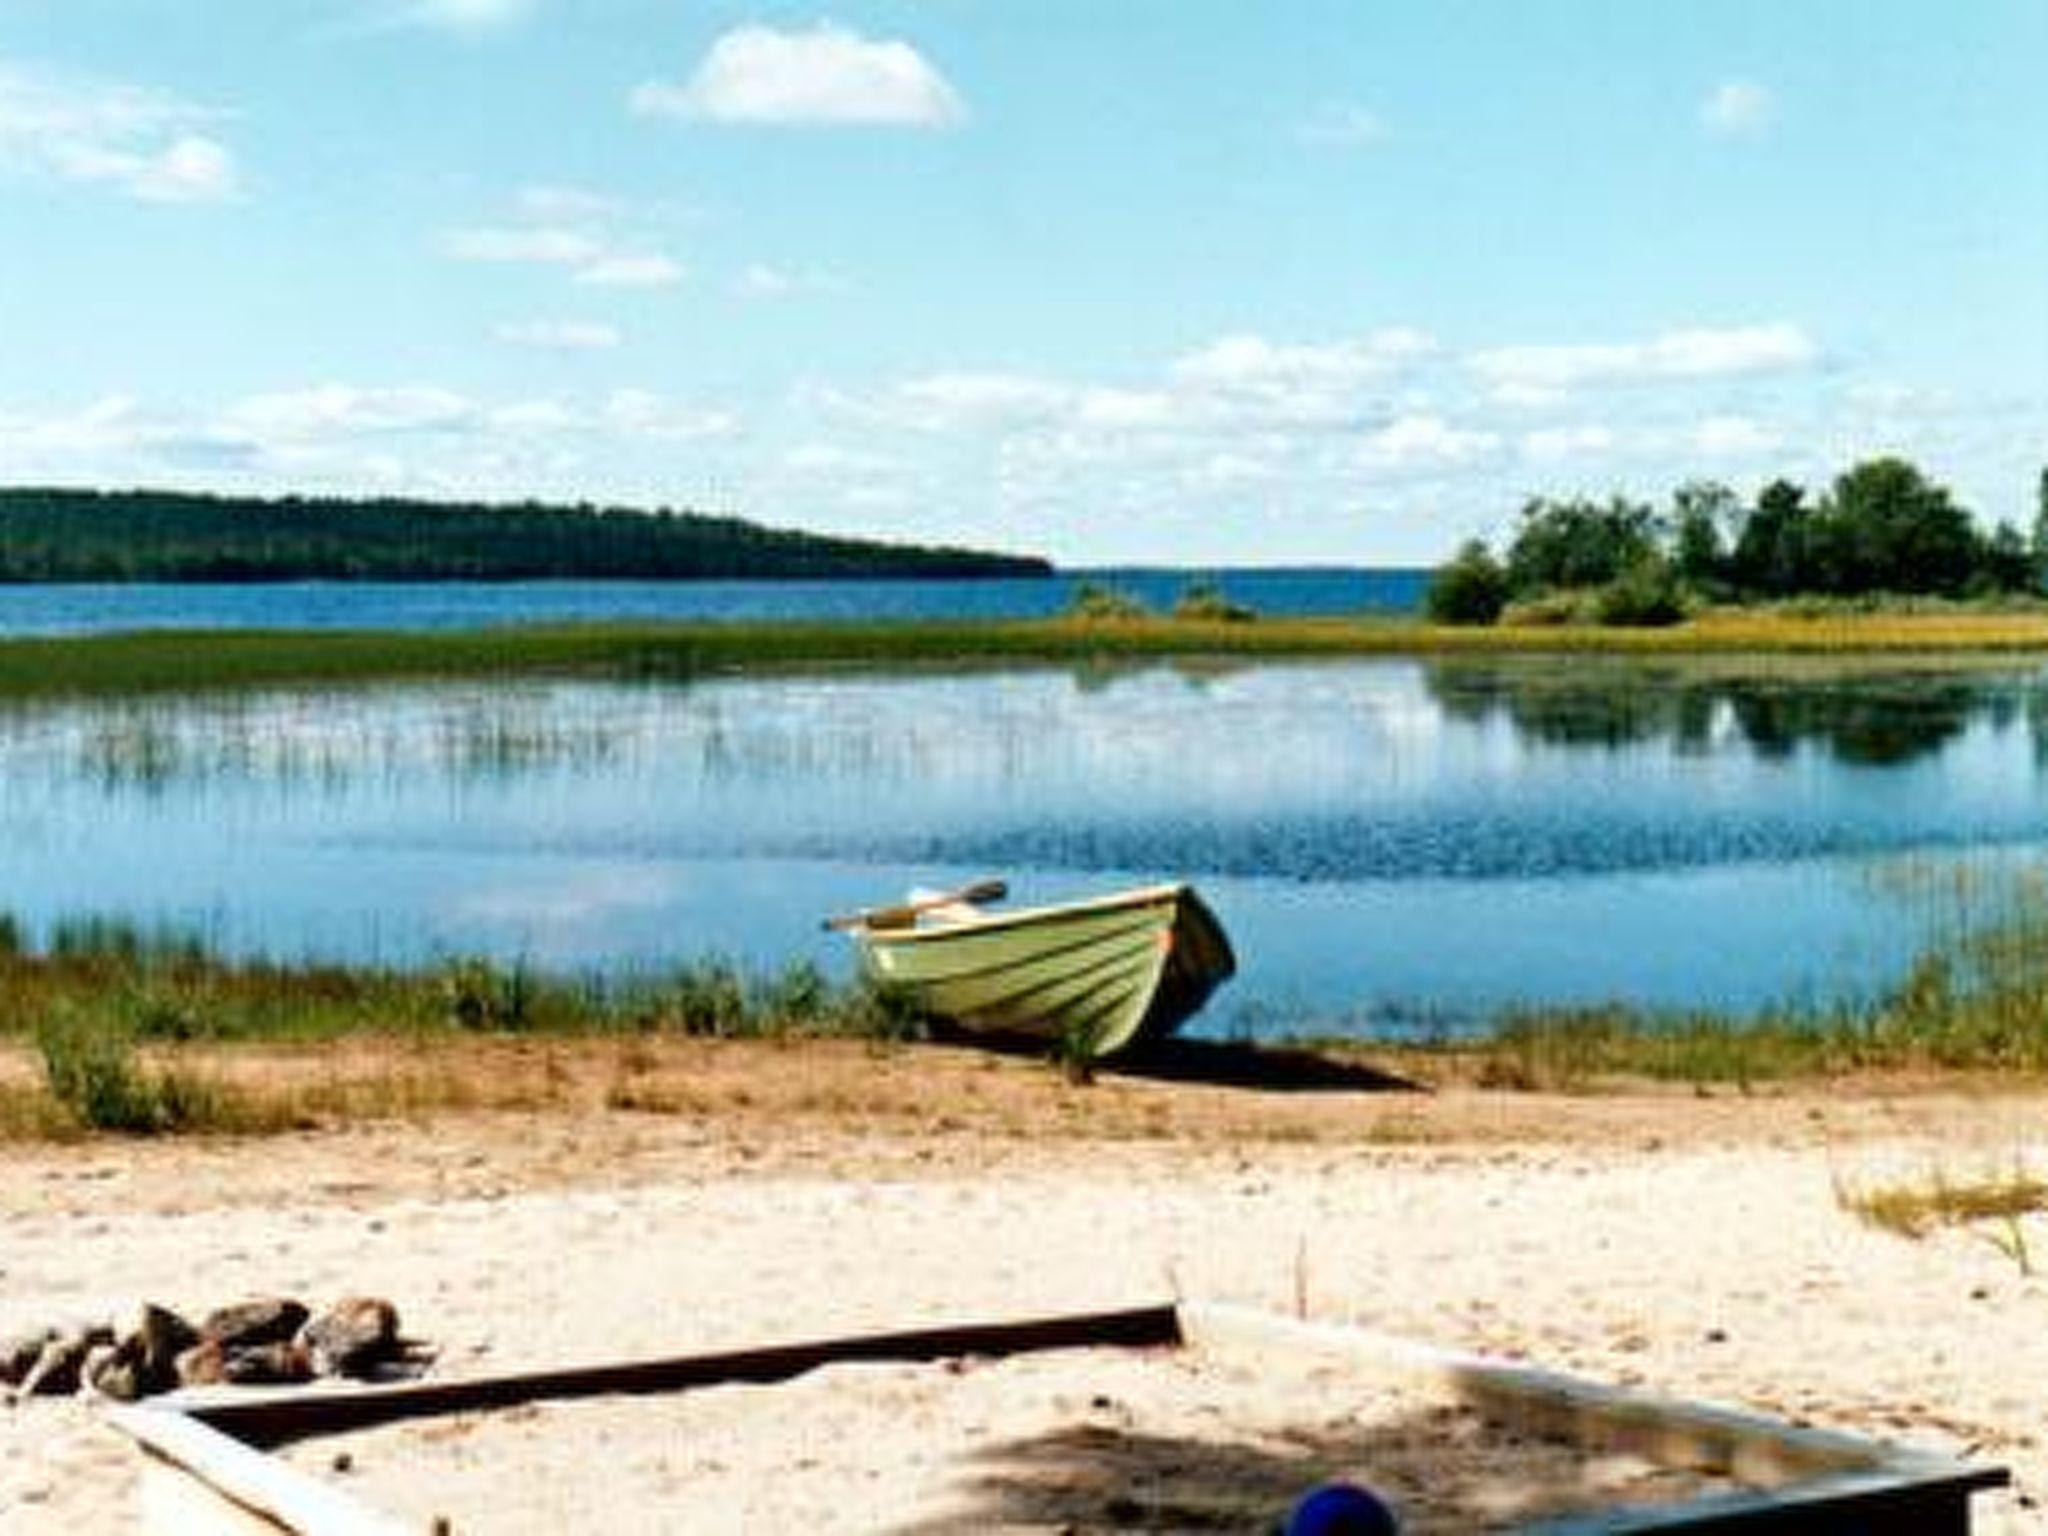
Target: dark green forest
{"points": [[1882, 528], [75, 535]]}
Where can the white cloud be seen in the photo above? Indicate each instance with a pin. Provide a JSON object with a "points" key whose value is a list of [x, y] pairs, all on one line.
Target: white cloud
{"points": [[593, 253], [147, 144], [632, 269], [1692, 354], [1736, 108], [326, 411], [763, 280], [1306, 385], [559, 335], [1425, 442], [642, 413], [825, 75], [1734, 435], [1342, 125], [538, 244], [1552, 444]]}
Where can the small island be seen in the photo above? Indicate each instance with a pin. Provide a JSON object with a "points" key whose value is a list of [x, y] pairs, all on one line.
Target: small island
{"points": [[63, 535]]}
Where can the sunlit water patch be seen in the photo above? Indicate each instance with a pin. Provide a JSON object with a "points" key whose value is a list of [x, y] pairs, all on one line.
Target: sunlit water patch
{"points": [[1392, 843]]}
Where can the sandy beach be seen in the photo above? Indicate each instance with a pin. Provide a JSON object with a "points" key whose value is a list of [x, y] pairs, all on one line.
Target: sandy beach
{"points": [[1692, 1245]]}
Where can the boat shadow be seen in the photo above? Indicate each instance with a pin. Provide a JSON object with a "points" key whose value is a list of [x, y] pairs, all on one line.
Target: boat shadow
{"points": [[1214, 1063]]}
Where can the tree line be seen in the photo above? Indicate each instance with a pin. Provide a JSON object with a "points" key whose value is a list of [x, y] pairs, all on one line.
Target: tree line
{"points": [[1882, 527], [143, 535]]}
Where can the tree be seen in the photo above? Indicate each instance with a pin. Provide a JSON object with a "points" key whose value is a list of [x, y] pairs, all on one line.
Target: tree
{"points": [[1700, 511], [1470, 589], [1579, 543], [1770, 557], [1886, 528]]}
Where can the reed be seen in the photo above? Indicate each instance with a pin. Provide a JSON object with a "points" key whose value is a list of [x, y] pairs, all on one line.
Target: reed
{"points": [[196, 661]]}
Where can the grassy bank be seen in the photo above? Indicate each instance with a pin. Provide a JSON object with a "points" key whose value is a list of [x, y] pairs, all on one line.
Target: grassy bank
{"points": [[180, 661], [120, 1030]]}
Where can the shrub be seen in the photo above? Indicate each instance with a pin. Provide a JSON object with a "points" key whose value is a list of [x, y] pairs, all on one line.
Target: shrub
{"points": [[1205, 601], [1094, 603], [1471, 589], [90, 1068], [1546, 609], [1647, 596]]}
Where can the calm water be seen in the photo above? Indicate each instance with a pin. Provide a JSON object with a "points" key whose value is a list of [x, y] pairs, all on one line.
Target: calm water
{"points": [[1393, 844], [81, 609]]}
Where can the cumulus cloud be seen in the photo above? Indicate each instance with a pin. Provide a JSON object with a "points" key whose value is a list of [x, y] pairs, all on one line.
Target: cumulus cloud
{"points": [[642, 413], [568, 228], [823, 75], [1549, 445], [1738, 108], [1425, 442], [146, 144], [1734, 435], [1691, 354]]}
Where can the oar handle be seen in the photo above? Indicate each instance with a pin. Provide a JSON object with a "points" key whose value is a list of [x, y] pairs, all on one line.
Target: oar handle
{"points": [[977, 894]]}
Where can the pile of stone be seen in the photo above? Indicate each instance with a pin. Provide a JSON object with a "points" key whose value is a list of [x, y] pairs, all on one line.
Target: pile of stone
{"points": [[268, 1341]]}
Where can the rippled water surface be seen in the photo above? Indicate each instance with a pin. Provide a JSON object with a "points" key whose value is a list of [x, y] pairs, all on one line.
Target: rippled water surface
{"points": [[1393, 844]]}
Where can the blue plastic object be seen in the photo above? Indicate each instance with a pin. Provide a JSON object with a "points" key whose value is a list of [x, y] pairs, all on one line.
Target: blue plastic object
{"points": [[1342, 1509]]}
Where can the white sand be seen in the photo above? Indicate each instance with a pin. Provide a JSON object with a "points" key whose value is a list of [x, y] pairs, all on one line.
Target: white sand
{"points": [[1710, 1265]]}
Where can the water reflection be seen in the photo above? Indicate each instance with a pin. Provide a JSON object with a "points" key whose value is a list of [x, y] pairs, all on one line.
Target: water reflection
{"points": [[1870, 718]]}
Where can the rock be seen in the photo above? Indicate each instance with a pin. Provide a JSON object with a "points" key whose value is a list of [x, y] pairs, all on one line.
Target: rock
{"points": [[202, 1365], [353, 1337], [267, 1320], [160, 1336], [61, 1365], [111, 1370], [266, 1365], [19, 1354]]}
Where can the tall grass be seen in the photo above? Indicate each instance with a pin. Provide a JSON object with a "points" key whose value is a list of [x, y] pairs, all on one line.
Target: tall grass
{"points": [[185, 662]]}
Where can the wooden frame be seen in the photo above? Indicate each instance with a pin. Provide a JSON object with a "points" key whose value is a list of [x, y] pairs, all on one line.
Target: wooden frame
{"points": [[207, 1449]]}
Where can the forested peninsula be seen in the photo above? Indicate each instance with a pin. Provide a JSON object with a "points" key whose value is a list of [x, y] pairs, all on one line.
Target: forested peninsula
{"points": [[84, 535]]}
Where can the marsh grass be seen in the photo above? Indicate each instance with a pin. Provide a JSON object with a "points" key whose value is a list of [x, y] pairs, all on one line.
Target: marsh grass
{"points": [[168, 661], [1993, 1206]]}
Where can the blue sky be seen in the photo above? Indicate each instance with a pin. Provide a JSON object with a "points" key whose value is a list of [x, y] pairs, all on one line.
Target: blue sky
{"points": [[1174, 281]]}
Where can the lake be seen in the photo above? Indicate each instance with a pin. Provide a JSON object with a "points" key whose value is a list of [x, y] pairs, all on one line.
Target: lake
{"points": [[88, 608], [1396, 845]]}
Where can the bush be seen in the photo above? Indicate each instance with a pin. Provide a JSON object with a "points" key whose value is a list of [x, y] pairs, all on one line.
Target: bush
{"points": [[90, 1068], [1096, 604], [1547, 609], [1471, 589], [1645, 596], [1205, 601]]}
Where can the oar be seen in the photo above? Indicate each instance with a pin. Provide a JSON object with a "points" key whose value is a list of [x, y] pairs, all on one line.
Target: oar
{"points": [[903, 913]]}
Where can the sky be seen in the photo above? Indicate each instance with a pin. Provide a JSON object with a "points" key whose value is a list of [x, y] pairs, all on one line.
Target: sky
{"points": [[1188, 282]]}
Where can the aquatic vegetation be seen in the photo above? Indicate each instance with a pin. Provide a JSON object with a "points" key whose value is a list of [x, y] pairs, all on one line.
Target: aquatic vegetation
{"points": [[226, 661]]}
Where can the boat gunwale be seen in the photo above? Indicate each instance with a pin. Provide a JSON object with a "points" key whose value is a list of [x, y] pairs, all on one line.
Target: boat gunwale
{"points": [[1169, 894]]}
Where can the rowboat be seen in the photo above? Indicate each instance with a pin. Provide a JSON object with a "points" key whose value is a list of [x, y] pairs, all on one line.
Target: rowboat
{"points": [[1094, 977]]}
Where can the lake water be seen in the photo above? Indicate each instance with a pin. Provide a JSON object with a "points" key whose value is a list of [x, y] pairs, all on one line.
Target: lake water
{"points": [[88, 608], [1393, 844]]}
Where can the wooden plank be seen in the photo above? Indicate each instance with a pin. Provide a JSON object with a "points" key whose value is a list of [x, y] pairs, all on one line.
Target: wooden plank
{"points": [[260, 1491], [1826, 1482], [274, 1418]]}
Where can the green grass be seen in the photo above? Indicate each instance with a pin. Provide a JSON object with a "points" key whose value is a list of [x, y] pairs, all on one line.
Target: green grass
{"points": [[186, 662]]}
